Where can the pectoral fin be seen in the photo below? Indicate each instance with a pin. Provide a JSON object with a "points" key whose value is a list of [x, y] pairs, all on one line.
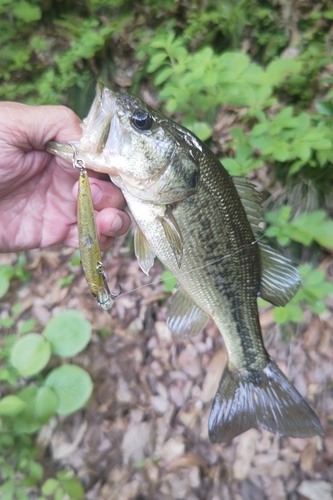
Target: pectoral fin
{"points": [[280, 280], [173, 234], [185, 318], [142, 251]]}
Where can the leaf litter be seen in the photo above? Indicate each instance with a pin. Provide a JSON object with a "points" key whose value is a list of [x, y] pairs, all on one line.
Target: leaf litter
{"points": [[144, 433]]}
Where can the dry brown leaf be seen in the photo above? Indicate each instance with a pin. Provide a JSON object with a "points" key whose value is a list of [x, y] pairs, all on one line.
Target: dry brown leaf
{"points": [[213, 375], [244, 454], [188, 460], [189, 361], [316, 490], [172, 449], [137, 442], [308, 456]]}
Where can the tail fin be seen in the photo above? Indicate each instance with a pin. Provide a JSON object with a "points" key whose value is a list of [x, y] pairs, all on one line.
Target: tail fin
{"points": [[266, 398]]}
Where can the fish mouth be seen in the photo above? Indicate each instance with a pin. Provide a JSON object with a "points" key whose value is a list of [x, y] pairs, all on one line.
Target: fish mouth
{"points": [[96, 129]]}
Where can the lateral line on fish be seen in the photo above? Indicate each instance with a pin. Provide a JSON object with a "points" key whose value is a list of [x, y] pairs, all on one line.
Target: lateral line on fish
{"points": [[196, 268]]}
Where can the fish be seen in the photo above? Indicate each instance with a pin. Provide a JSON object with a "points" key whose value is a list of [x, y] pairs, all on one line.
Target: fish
{"points": [[203, 225], [90, 253]]}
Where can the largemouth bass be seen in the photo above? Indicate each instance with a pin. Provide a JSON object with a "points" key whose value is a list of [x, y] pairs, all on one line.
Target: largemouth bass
{"points": [[203, 225]]}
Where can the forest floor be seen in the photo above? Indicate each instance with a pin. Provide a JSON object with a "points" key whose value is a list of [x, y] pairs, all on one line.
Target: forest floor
{"points": [[144, 434]]}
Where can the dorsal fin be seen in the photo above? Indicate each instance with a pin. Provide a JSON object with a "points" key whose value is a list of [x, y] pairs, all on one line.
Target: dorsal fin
{"points": [[250, 199], [280, 280]]}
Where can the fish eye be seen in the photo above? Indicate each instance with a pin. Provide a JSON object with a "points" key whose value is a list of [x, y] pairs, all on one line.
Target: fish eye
{"points": [[142, 120]]}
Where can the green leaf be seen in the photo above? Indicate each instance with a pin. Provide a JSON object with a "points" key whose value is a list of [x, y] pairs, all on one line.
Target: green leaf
{"points": [[46, 404], [49, 486], [11, 405], [68, 333], [72, 385], [16, 308], [59, 494], [27, 12], [170, 280], [233, 167], [66, 281], [73, 488], [156, 61], [5, 276], [27, 325], [41, 404], [30, 354], [278, 69], [201, 130], [7, 322], [324, 108], [324, 234], [163, 75], [7, 489], [36, 470]]}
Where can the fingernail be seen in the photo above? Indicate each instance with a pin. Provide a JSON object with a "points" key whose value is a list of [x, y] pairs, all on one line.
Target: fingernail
{"points": [[116, 224], [96, 193]]}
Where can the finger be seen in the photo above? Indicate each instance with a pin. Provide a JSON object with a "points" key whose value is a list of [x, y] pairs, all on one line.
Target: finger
{"points": [[36, 125], [112, 222], [106, 244], [104, 195]]}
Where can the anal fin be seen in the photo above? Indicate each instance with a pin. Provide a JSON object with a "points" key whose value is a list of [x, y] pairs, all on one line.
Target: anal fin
{"points": [[280, 280], [185, 318], [142, 251], [266, 398]]}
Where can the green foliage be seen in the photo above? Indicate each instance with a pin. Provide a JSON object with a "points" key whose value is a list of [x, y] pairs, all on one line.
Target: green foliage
{"points": [[244, 159], [72, 385], [306, 229], [169, 280], [64, 390], [65, 335], [7, 273], [30, 354], [68, 333], [195, 84], [21, 474], [312, 292], [65, 483]]}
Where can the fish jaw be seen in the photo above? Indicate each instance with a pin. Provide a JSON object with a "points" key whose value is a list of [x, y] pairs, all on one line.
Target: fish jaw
{"points": [[96, 128]]}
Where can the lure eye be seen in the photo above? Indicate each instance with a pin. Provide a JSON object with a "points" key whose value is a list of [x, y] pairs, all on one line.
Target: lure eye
{"points": [[142, 120]]}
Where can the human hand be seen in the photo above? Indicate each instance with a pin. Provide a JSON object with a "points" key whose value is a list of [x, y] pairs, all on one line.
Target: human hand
{"points": [[38, 191]]}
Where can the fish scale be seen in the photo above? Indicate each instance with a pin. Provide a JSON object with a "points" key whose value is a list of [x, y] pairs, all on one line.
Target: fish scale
{"points": [[203, 225]]}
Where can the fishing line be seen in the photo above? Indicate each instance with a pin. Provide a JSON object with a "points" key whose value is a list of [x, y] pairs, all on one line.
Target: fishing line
{"points": [[196, 268]]}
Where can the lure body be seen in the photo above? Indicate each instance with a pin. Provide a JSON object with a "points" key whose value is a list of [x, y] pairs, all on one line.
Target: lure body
{"points": [[91, 258]]}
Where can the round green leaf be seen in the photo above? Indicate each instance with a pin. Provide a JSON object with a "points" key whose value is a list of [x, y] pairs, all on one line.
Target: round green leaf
{"points": [[72, 385], [49, 486], [30, 354], [73, 488], [11, 405], [68, 333], [41, 404]]}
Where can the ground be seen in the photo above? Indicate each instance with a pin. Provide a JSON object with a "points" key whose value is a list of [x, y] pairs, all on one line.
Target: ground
{"points": [[144, 435]]}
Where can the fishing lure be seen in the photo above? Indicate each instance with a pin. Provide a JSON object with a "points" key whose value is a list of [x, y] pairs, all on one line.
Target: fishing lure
{"points": [[91, 258]]}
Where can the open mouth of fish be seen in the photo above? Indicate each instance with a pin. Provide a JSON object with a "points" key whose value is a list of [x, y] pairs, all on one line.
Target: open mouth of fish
{"points": [[100, 142]]}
